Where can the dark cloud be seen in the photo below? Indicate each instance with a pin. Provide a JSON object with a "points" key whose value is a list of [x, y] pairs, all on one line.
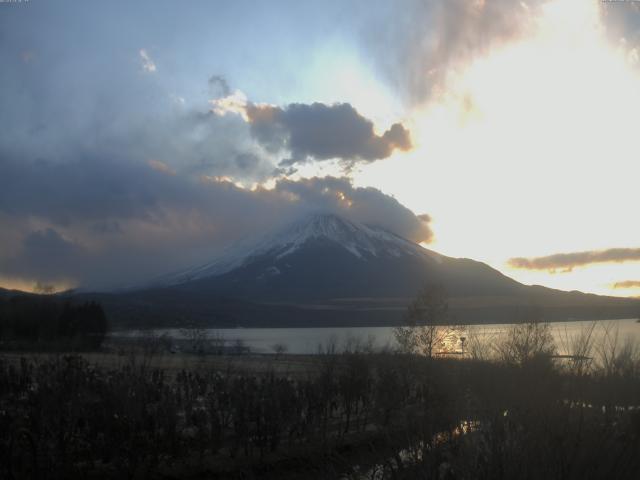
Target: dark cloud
{"points": [[566, 262], [366, 205], [115, 222], [46, 244], [321, 132], [622, 22], [427, 39], [107, 227], [46, 255], [627, 284], [247, 162]]}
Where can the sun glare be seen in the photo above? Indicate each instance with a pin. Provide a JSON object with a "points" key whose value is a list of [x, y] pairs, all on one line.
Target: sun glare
{"points": [[548, 123]]}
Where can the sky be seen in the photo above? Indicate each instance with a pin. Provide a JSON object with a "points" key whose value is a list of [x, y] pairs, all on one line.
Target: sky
{"points": [[143, 137]]}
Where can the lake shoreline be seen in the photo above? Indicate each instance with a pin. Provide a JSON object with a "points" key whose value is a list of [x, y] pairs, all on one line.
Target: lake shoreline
{"points": [[311, 340]]}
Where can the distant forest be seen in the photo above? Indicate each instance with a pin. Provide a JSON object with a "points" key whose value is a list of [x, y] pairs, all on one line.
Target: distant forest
{"points": [[50, 323]]}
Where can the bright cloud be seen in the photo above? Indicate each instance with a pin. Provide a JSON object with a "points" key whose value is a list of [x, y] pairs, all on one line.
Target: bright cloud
{"points": [[148, 65]]}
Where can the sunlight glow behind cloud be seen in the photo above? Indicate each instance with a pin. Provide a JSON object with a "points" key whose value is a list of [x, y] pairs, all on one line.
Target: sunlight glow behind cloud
{"points": [[522, 152]]}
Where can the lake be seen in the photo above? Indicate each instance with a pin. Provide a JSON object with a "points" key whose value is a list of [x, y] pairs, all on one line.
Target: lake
{"points": [[308, 340]]}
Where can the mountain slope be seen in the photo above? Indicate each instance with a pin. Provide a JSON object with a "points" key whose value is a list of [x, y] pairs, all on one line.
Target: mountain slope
{"points": [[325, 257]]}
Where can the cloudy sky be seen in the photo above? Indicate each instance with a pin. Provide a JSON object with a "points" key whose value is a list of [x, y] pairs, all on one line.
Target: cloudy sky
{"points": [[141, 137]]}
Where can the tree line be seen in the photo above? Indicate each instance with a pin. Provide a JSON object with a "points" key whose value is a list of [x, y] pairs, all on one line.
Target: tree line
{"points": [[46, 322]]}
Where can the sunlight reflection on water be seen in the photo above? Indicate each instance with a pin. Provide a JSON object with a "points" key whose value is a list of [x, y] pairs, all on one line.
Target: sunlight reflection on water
{"points": [[308, 340]]}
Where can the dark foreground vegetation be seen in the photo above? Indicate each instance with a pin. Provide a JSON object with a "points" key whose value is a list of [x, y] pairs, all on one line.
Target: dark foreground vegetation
{"points": [[518, 413]]}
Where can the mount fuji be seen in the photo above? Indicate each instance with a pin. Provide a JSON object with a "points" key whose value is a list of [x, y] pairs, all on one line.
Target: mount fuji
{"points": [[325, 270], [325, 256]]}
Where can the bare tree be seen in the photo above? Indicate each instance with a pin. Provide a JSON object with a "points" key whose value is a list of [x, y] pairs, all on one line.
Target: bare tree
{"points": [[578, 348], [218, 342], [153, 344], [330, 347], [479, 343], [426, 331], [523, 342], [239, 347], [197, 338], [616, 356], [279, 349]]}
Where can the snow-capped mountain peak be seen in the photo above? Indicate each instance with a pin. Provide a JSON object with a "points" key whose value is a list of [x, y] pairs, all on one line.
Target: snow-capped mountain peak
{"points": [[361, 241]]}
